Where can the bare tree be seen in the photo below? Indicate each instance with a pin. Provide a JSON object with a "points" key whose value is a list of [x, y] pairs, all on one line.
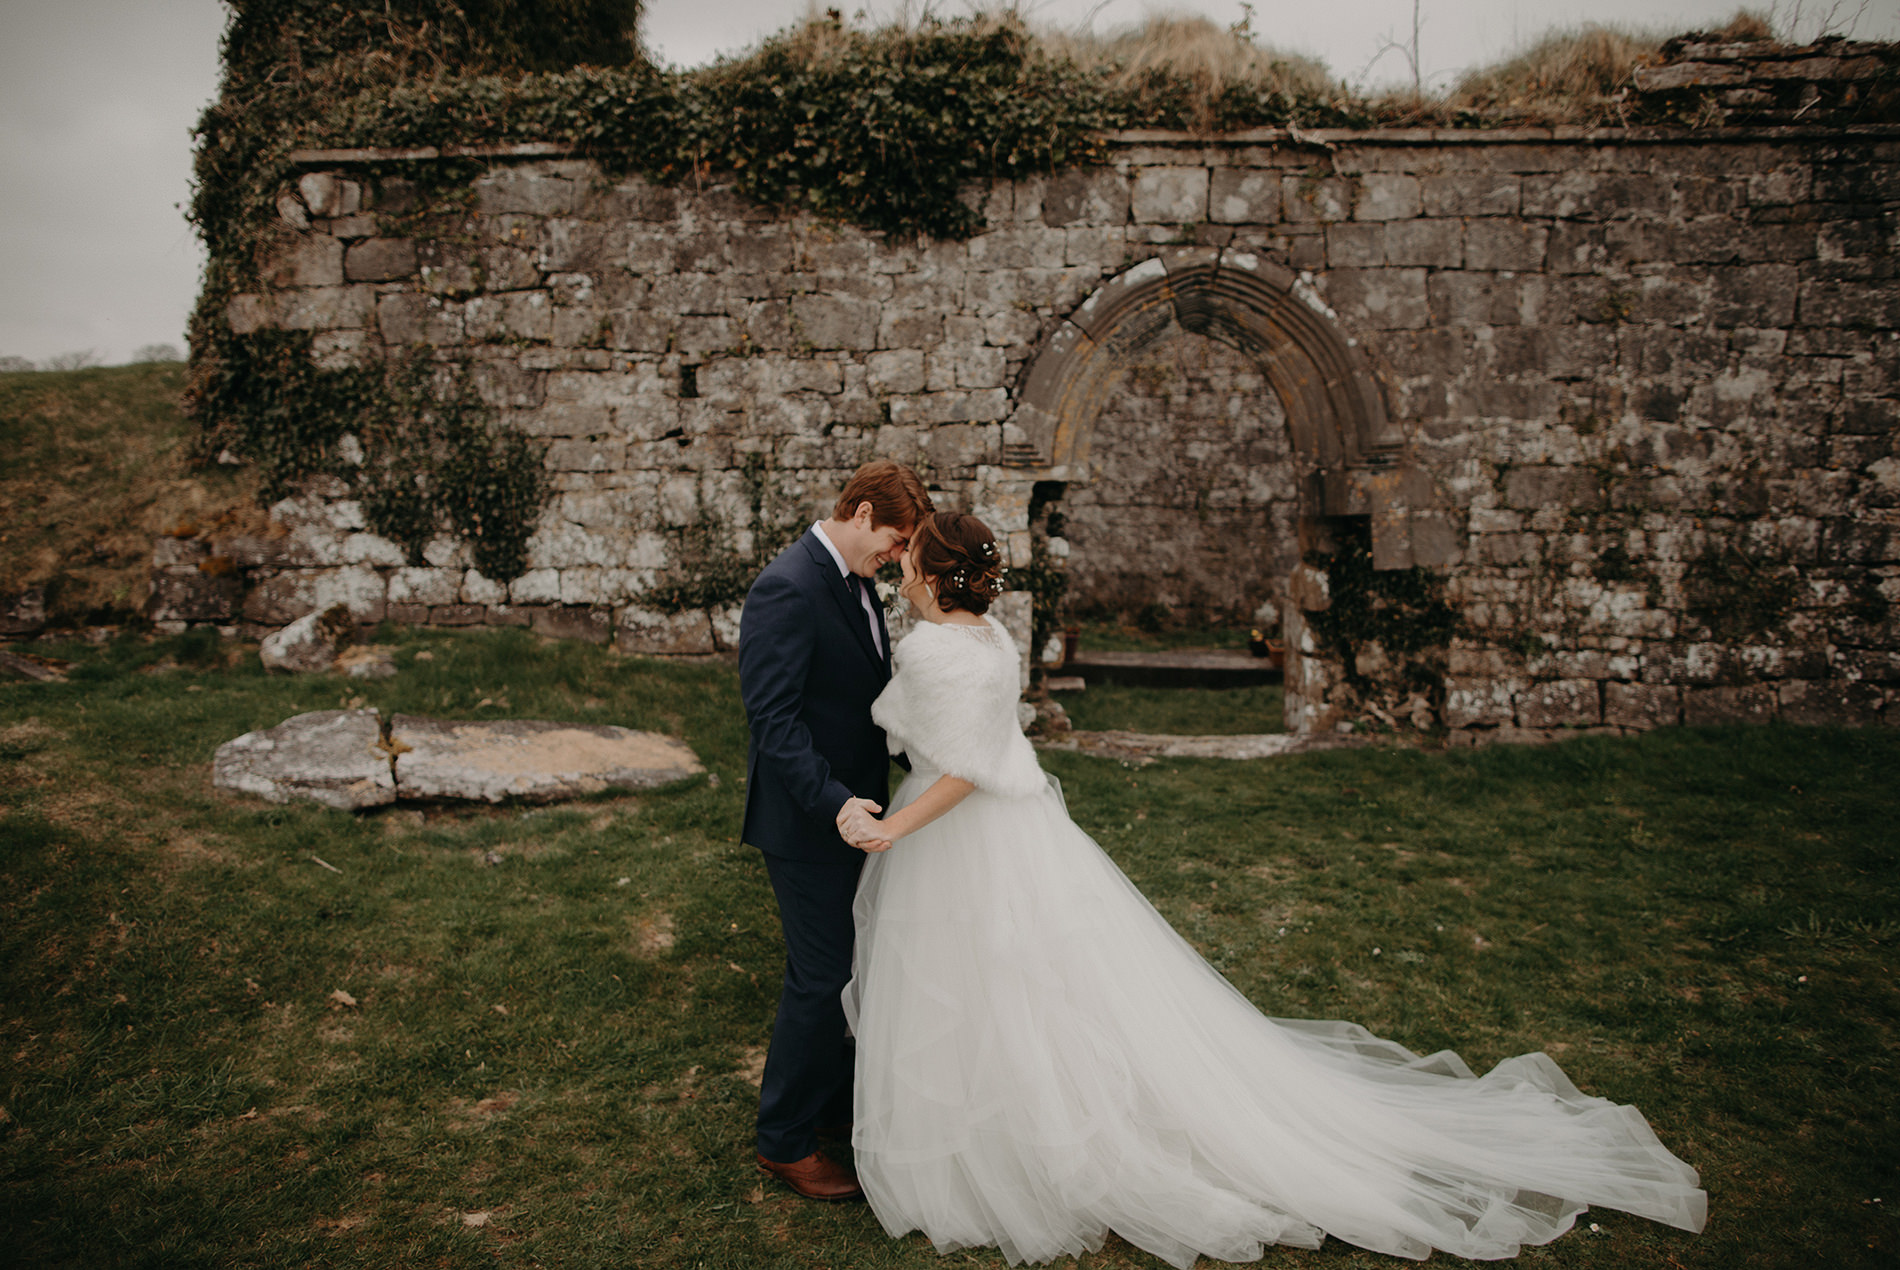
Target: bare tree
{"points": [[1801, 23], [10, 364], [78, 359], [158, 353], [1407, 49]]}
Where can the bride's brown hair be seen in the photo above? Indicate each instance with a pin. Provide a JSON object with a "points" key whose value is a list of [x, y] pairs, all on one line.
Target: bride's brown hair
{"points": [[958, 554]]}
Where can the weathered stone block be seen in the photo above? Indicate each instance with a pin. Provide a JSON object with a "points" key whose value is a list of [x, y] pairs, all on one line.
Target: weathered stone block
{"points": [[1749, 703], [898, 371], [1170, 195], [1470, 194], [1316, 200], [1473, 299], [1351, 245], [508, 384], [311, 260], [1480, 703], [648, 632], [507, 615], [683, 293], [567, 245], [380, 260], [291, 211], [1438, 244], [1755, 296], [909, 328], [324, 308], [1560, 703], [508, 269], [1385, 299], [526, 315], [457, 615], [578, 328], [1584, 194], [1086, 196], [1829, 302], [832, 322], [409, 318], [1239, 196], [1533, 487], [287, 596], [177, 595], [1505, 245], [702, 336], [327, 194], [1642, 706], [1387, 196], [526, 189], [588, 624], [424, 586], [1025, 248], [1831, 703]]}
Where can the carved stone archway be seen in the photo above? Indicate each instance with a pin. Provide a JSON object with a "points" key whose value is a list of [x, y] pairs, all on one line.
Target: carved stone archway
{"points": [[1349, 454], [1347, 449]]}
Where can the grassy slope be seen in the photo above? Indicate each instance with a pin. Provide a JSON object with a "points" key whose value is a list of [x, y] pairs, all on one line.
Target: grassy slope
{"points": [[180, 1089], [97, 465]]}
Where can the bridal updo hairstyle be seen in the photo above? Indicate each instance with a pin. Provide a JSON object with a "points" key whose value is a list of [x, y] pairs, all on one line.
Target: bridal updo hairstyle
{"points": [[957, 553]]}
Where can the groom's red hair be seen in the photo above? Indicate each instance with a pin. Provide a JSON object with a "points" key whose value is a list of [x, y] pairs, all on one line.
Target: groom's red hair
{"points": [[896, 496]]}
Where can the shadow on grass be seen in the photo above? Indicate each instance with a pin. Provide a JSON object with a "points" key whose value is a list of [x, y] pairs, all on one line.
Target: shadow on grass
{"points": [[547, 1060]]}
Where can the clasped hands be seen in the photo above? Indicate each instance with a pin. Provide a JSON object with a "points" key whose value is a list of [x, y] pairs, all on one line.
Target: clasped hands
{"points": [[858, 825]]}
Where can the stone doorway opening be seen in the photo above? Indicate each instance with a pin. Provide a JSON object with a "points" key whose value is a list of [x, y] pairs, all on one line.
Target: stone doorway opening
{"points": [[1344, 453], [1177, 541]]}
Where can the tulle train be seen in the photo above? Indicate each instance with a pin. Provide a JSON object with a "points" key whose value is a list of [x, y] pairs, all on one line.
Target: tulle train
{"points": [[1041, 1059]]}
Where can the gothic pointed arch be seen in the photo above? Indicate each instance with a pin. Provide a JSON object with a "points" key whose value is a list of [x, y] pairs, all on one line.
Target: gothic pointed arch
{"points": [[1347, 448]]}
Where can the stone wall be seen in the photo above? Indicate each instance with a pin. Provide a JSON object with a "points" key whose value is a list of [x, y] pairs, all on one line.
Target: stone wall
{"points": [[1628, 397], [1190, 500]]}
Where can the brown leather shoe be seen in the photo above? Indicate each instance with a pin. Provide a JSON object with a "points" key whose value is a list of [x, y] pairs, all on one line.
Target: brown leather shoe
{"points": [[817, 1176]]}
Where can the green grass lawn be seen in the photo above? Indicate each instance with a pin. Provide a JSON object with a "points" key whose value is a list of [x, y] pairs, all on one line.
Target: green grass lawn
{"points": [[549, 1059]]}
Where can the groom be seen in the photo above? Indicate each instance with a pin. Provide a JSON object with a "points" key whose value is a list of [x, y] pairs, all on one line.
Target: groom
{"points": [[813, 655]]}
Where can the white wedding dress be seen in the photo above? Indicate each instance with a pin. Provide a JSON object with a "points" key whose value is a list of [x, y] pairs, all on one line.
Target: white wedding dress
{"points": [[1041, 1059]]}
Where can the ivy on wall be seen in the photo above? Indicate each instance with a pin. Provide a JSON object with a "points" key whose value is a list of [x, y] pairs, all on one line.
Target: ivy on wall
{"points": [[708, 568], [431, 458], [1402, 610]]}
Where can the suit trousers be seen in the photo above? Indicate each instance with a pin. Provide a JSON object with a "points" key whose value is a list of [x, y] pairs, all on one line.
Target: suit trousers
{"points": [[808, 1066]]}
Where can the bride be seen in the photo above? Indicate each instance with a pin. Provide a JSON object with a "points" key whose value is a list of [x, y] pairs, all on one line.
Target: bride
{"points": [[1041, 1059]]}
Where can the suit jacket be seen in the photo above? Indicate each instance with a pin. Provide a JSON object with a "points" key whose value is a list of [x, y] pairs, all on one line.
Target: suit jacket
{"points": [[808, 673]]}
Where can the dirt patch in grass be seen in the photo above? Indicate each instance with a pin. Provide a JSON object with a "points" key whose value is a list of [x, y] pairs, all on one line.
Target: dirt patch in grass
{"points": [[652, 933]]}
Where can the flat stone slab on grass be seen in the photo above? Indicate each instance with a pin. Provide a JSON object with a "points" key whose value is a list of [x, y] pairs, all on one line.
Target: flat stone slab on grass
{"points": [[340, 758], [333, 757], [530, 760]]}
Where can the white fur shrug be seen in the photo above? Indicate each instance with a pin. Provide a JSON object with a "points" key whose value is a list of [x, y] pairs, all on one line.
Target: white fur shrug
{"points": [[951, 706]]}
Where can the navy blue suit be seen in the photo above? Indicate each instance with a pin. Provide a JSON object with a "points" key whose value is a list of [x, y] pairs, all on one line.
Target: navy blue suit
{"points": [[808, 672]]}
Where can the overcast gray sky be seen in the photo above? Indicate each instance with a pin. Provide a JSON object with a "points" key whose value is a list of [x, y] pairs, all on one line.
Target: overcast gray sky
{"points": [[97, 100]]}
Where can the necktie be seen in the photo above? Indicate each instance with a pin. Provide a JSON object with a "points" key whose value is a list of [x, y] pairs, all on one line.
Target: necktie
{"points": [[862, 586]]}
